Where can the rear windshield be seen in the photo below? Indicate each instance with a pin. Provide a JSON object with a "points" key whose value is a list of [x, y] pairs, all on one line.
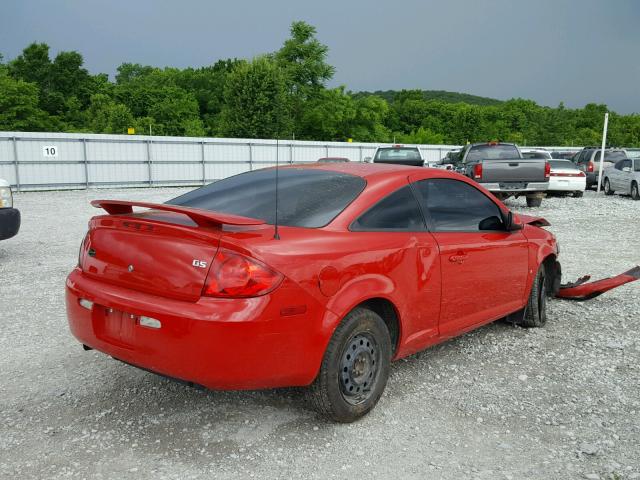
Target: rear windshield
{"points": [[566, 155], [306, 197], [492, 152], [563, 164], [611, 156], [542, 155], [397, 153]]}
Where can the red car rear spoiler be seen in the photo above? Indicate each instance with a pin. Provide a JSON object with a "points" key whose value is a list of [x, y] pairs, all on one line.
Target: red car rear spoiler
{"points": [[580, 290], [203, 218]]}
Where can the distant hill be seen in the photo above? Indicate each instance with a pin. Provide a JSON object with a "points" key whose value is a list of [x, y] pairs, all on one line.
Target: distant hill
{"points": [[450, 97]]}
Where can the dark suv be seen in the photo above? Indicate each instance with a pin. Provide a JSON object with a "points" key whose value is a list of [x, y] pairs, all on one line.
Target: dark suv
{"points": [[588, 160]]}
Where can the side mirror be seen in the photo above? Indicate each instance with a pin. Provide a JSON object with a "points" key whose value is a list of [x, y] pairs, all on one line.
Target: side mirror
{"points": [[367, 159], [491, 223], [511, 223]]}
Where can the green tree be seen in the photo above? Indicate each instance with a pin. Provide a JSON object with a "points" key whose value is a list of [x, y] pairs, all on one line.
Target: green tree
{"points": [[106, 116], [303, 59], [256, 103], [19, 109]]}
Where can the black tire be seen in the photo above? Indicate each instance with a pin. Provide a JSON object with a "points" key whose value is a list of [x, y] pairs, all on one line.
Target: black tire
{"points": [[534, 201], [535, 313], [607, 187], [635, 194], [347, 395], [578, 194]]}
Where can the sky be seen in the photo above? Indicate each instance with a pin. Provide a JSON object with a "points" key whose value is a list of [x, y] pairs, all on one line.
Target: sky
{"points": [[550, 51]]}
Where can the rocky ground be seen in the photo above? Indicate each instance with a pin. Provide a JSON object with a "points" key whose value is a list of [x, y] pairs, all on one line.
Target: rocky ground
{"points": [[502, 402]]}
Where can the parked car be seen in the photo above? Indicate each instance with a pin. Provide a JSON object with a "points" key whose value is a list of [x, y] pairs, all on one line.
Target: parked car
{"points": [[588, 160], [9, 216], [623, 177], [536, 153], [398, 155], [566, 177], [501, 168], [449, 161], [369, 263], [563, 154]]}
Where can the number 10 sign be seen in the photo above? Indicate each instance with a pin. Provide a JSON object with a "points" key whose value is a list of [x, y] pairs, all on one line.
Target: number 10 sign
{"points": [[50, 151]]}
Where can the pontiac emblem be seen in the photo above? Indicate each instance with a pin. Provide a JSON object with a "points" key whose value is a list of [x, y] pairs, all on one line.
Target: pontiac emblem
{"points": [[130, 268]]}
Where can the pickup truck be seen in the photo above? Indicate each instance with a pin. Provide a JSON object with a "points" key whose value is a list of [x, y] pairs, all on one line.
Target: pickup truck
{"points": [[501, 169], [9, 216], [398, 155]]}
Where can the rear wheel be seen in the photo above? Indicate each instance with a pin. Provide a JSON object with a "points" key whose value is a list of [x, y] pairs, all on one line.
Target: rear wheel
{"points": [[578, 194], [607, 187], [535, 313], [534, 201], [635, 194], [355, 368]]}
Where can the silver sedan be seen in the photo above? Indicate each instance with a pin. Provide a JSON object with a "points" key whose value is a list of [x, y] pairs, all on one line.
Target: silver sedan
{"points": [[623, 177]]}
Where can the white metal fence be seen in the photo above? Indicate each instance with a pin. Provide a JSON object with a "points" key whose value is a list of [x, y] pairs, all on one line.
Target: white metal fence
{"points": [[46, 161]]}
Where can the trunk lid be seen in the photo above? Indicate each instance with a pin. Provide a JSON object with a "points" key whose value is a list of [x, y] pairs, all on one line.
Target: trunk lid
{"points": [[165, 251]]}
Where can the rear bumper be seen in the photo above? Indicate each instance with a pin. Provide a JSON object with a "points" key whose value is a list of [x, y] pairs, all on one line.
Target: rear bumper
{"points": [[9, 222], [227, 344], [567, 184], [527, 188]]}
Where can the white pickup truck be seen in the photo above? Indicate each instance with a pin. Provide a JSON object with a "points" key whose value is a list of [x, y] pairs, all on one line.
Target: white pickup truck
{"points": [[9, 216], [397, 155]]}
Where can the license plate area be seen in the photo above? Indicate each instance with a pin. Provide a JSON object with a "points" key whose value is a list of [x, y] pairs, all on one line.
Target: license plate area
{"points": [[115, 326], [513, 185]]}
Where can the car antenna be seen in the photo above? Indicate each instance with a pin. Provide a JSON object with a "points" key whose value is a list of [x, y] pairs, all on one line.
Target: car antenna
{"points": [[276, 234]]}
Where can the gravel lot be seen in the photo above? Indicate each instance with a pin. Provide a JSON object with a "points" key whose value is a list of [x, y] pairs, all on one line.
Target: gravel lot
{"points": [[500, 403]]}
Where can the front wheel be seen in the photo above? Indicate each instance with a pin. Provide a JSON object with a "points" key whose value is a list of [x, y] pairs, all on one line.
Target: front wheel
{"points": [[535, 313], [607, 187], [534, 201], [635, 194], [355, 368]]}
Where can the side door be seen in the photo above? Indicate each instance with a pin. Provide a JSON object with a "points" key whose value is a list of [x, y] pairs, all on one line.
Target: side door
{"points": [[614, 175], [410, 258], [624, 176], [484, 267]]}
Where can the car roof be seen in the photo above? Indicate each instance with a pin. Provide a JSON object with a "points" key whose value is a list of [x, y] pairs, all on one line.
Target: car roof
{"points": [[493, 144], [374, 170]]}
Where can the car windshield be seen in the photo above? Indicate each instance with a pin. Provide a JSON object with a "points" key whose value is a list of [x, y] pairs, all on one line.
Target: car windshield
{"points": [[492, 152], [397, 153], [306, 197], [563, 164]]}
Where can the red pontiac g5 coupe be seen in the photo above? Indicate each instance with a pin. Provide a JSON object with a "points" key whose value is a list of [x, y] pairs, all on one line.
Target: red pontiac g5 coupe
{"points": [[369, 263]]}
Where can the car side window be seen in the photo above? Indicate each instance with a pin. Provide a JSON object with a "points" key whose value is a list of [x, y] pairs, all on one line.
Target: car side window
{"points": [[456, 206], [398, 211], [626, 164]]}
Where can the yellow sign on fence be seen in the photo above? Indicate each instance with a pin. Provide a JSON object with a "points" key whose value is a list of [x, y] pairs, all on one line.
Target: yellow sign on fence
{"points": [[131, 131]]}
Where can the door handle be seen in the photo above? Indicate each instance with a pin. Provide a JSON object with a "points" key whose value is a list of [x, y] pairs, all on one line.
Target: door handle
{"points": [[459, 259]]}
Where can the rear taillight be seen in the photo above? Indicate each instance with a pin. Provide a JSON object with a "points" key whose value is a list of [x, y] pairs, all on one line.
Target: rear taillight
{"points": [[582, 174], [547, 170], [233, 275], [590, 167], [477, 171]]}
